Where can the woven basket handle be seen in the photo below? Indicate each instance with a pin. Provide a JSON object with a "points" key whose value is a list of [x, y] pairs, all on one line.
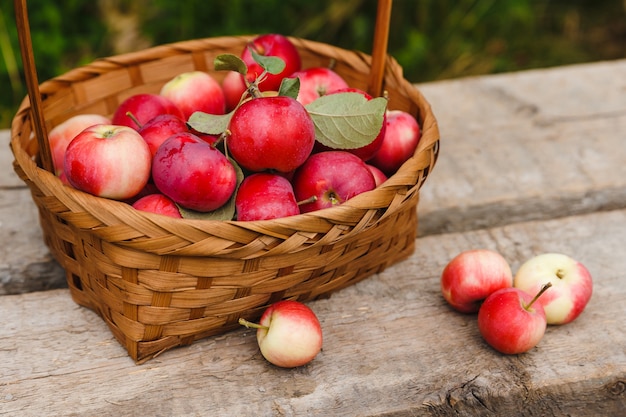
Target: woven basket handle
{"points": [[32, 83], [379, 48]]}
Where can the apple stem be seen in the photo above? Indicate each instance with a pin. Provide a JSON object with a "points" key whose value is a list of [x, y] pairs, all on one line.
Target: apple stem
{"points": [[311, 199], [251, 325], [134, 119], [541, 291]]}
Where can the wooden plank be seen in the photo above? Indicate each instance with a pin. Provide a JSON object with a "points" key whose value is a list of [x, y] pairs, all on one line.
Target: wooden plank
{"points": [[392, 347], [529, 145]]}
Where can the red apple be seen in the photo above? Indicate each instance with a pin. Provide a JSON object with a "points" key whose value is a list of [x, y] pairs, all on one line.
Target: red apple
{"points": [[379, 176], [195, 91], [471, 276], [271, 44], [274, 133], [402, 134], [138, 109], [193, 173], [511, 321], [289, 334], [316, 82], [108, 161], [332, 177], [263, 196], [159, 204], [62, 134], [571, 285], [233, 86], [366, 152], [156, 130]]}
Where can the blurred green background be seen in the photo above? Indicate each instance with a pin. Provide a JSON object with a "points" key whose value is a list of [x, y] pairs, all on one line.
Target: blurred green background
{"points": [[431, 39]]}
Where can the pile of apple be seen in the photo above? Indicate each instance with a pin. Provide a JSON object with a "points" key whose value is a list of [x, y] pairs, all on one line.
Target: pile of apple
{"points": [[271, 140], [514, 312]]}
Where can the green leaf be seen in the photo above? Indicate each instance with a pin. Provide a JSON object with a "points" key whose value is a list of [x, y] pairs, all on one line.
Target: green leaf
{"points": [[289, 87], [211, 124], [226, 212], [272, 64], [230, 62], [347, 120]]}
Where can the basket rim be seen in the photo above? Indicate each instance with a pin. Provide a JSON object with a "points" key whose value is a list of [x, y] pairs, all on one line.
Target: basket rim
{"points": [[428, 124]]}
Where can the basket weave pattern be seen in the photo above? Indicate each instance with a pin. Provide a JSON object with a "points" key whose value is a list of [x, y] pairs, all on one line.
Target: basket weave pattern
{"points": [[160, 282]]}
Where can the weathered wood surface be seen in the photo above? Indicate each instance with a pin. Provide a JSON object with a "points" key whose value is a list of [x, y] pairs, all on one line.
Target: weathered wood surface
{"points": [[392, 347], [525, 146], [530, 162]]}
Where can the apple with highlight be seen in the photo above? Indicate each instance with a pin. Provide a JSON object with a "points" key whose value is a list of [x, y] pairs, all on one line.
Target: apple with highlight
{"points": [[571, 290], [471, 276]]}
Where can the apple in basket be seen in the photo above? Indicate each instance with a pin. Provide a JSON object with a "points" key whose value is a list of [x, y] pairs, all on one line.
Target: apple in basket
{"points": [[512, 321], [159, 204], [234, 87], [471, 276], [276, 45], [138, 109], [195, 91], [62, 134], [156, 130], [402, 134], [108, 161], [263, 196], [316, 82], [289, 334], [280, 142], [193, 173], [379, 176], [571, 285], [331, 178]]}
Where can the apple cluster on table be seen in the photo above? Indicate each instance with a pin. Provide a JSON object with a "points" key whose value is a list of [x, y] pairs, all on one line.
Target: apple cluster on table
{"points": [[265, 161], [515, 310]]}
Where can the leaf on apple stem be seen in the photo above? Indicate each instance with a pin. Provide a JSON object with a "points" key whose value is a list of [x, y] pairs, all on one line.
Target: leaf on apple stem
{"points": [[347, 120], [230, 62], [272, 64], [211, 124], [226, 212], [289, 87]]}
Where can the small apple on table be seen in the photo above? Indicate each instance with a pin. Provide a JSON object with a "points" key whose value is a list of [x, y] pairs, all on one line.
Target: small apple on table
{"points": [[289, 334], [571, 285], [472, 276], [512, 321]]}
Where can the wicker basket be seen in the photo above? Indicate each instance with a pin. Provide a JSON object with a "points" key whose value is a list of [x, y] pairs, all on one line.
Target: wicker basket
{"points": [[160, 282]]}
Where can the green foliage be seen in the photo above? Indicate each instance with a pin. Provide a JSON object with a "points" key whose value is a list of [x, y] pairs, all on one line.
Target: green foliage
{"points": [[431, 39]]}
